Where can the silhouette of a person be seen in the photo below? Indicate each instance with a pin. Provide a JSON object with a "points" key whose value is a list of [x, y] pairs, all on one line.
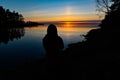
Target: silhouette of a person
{"points": [[52, 43]]}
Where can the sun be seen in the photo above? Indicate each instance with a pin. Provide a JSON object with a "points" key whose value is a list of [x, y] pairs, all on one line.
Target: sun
{"points": [[67, 24]]}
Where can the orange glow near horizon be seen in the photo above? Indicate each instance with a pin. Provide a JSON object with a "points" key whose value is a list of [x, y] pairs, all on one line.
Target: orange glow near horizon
{"points": [[68, 14], [60, 18]]}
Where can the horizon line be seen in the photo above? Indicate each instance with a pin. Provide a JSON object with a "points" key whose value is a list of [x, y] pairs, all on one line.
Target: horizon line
{"points": [[68, 21]]}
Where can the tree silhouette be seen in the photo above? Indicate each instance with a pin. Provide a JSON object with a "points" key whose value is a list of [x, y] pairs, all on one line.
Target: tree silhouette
{"points": [[100, 48], [103, 5], [113, 17], [2, 15], [10, 18]]}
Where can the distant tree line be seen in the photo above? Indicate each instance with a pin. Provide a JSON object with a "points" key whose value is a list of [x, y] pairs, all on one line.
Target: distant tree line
{"points": [[13, 19], [10, 18], [31, 24]]}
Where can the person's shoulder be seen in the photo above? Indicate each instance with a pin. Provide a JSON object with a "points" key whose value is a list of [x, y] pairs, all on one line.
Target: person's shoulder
{"points": [[59, 38], [45, 37]]}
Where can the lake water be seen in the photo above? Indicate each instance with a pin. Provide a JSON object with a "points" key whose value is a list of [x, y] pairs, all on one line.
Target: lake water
{"points": [[25, 44]]}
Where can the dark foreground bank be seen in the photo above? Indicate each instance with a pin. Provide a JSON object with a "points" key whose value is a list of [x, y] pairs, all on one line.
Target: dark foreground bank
{"points": [[38, 69]]}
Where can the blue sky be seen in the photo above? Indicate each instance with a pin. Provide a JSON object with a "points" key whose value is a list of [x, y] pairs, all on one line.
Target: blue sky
{"points": [[53, 10]]}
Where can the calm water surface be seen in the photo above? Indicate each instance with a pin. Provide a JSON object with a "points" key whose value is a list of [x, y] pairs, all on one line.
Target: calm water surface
{"points": [[23, 44]]}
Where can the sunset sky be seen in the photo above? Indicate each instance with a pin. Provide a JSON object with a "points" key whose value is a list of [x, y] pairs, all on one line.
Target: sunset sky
{"points": [[53, 10]]}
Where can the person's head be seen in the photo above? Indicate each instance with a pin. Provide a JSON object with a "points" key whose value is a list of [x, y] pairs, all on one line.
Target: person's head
{"points": [[52, 30]]}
